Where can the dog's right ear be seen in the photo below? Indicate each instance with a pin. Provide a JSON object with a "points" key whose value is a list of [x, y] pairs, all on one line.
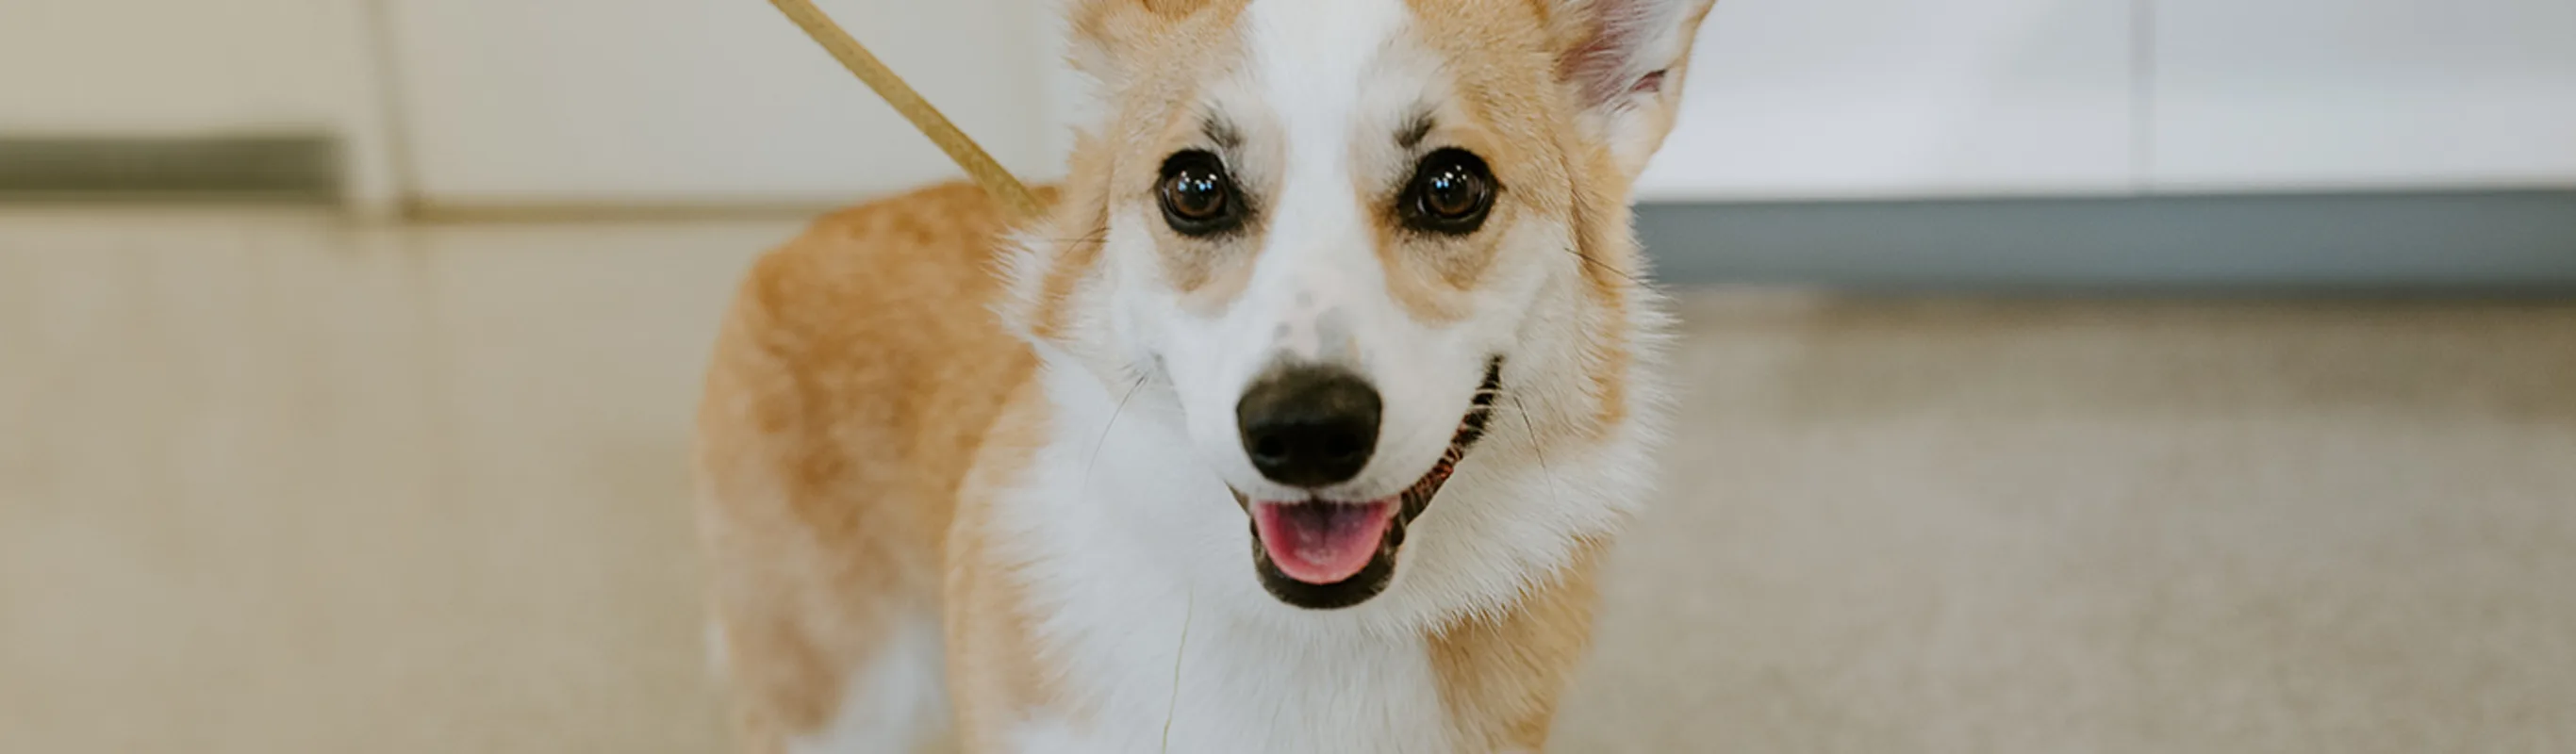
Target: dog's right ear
{"points": [[1625, 60]]}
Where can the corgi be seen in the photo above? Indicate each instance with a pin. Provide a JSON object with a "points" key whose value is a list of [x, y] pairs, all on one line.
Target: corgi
{"points": [[1299, 421]]}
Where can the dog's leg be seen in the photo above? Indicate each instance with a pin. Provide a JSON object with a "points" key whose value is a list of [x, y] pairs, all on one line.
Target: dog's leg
{"points": [[878, 691], [894, 702]]}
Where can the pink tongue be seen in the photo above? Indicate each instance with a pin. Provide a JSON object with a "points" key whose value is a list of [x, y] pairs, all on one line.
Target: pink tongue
{"points": [[1321, 543]]}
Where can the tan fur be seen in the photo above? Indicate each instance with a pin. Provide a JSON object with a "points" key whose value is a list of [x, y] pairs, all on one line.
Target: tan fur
{"points": [[1154, 55], [865, 405], [1500, 674], [995, 666], [1507, 111], [1148, 53], [1508, 93], [853, 382]]}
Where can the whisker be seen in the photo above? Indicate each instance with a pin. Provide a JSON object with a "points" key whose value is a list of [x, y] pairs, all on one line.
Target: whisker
{"points": [[1536, 448], [1189, 609], [1082, 241], [1103, 442], [1587, 259], [1092, 238]]}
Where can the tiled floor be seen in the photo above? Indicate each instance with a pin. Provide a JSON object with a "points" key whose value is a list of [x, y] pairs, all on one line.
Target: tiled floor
{"points": [[271, 484]]}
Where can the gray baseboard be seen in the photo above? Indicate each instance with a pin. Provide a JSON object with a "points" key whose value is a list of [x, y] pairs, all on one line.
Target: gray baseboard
{"points": [[285, 168], [2518, 242]]}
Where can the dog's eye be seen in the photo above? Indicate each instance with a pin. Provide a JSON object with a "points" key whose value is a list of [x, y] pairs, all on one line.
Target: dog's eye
{"points": [[1198, 197], [1450, 193]]}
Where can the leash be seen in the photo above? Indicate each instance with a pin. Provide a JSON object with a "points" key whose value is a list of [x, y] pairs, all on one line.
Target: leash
{"points": [[987, 173]]}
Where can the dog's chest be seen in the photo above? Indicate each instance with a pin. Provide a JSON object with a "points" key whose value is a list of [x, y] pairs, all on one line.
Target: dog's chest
{"points": [[1227, 688], [1136, 575]]}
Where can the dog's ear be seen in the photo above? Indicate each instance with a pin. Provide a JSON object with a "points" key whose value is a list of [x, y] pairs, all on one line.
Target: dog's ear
{"points": [[1624, 60]]}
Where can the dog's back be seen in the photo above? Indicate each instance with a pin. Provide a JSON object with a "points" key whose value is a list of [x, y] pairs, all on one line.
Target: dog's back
{"points": [[855, 374]]}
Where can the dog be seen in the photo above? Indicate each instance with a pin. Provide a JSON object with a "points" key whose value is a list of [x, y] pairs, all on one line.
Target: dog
{"points": [[1300, 421]]}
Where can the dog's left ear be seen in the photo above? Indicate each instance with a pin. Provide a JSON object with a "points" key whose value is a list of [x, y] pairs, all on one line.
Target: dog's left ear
{"points": [[1624, 61]]}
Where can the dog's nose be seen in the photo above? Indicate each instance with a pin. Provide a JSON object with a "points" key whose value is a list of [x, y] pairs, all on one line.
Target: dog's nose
{"points": [[1309, 426]]}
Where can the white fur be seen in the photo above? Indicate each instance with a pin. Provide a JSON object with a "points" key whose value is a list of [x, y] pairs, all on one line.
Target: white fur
{"points": [[896, 704]]}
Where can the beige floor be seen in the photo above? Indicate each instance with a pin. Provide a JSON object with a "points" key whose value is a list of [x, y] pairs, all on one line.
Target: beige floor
{"points": [[269, 484]]}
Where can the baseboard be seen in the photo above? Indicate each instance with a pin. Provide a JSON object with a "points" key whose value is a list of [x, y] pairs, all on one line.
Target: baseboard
{"points": [[2515, 242], [301, 168], [552, 212]]}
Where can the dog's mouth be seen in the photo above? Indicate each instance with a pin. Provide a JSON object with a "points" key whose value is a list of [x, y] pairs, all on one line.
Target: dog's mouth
{"points": [[1326, 554]]}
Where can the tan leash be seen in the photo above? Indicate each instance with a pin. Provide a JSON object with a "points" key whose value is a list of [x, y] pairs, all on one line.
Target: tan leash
{"points": [[996, 180]]}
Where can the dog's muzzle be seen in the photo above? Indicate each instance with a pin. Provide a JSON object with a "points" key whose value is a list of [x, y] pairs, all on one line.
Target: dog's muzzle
{"points": [[1325, 554]]}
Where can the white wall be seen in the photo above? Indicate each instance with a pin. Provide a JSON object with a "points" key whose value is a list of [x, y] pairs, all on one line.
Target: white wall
{"points": [[2330, 94], [1880, 98], [196, 67], [702, 101]]}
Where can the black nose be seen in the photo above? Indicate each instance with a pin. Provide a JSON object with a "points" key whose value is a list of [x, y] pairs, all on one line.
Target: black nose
{"points": [[1309, 426]]}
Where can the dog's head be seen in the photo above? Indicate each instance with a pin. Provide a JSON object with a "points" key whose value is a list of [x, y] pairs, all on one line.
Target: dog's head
{"points": [[1347, 239]]}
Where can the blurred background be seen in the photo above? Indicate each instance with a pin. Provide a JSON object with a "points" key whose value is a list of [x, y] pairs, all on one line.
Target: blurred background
{"points": [[2103, 375]]}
